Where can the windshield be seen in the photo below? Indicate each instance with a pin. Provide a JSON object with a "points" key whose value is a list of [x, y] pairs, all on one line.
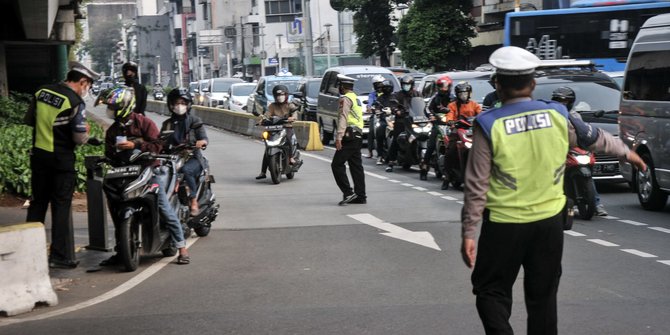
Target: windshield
{"points": [[363, 83], [221, 85], [242, 90], [192, 87], [590, 96], [292, 85], [313, 89], [417, 106]]}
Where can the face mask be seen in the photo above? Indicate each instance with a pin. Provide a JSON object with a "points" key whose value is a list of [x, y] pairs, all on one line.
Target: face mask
{"points": [[129, 79], [406, 87], [84, 93], [463, 96], [111, 114], [180, 109], [281, 99]]}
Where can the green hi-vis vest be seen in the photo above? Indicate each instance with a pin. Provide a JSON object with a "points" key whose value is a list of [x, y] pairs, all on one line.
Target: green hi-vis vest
{"points": [[53, 113], [529, 143], [355, 117]]}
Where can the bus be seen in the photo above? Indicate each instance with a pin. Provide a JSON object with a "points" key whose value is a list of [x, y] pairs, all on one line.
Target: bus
{"points": [[598, 30]]}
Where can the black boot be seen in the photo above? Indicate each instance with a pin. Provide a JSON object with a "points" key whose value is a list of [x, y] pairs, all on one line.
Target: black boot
{"points": [[445, 184], [423, 175]]}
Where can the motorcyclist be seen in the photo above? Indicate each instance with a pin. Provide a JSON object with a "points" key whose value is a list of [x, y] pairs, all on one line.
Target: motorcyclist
{"points": [[402, 119], [461, 108], [179, 103], [384, 102], [437, 109], [141, 135], [566, 96], [281, 107], [377, 81], [492, 100], [129, 71]]}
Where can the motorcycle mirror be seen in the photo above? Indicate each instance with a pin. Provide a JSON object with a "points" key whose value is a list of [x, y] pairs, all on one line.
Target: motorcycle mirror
{"points": [[297, 95]]}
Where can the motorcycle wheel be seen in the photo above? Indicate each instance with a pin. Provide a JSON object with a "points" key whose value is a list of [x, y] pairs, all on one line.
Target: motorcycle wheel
{"points": [[586, 203], [290, 175], [202, 231], [129, 244], [325, 136], [274, 167]]}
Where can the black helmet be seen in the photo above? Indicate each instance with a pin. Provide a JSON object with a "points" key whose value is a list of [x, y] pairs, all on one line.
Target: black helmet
{"points": [[387, 86], [279, 89], [564, 95], [128, 66], [463, 86], [407, 81], [179, 92]]}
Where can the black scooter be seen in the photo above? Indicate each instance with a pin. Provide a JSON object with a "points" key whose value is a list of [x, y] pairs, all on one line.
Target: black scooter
{"points": [[277, 149]]}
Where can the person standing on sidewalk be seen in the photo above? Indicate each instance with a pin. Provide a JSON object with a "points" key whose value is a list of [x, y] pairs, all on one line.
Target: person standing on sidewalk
{"points": [[130, 73], [348, 143], [58, 117], [514, 184]]}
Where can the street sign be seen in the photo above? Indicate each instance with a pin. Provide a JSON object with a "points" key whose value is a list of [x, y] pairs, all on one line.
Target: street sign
{"points": [[294, 31], [208, 38], [273, 61]]}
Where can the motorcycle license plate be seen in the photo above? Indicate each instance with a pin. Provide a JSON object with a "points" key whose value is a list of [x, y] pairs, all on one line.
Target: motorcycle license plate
{"points": [[274, 128], [123, 171]]}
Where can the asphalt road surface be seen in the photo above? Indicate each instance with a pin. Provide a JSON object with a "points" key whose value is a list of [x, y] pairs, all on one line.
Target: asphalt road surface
{"points": [[285, 259]]}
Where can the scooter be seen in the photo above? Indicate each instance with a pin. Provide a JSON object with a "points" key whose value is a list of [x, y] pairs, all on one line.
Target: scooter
{"points": [[458, 133], [277, 149], [578, 183], [134, 206]]}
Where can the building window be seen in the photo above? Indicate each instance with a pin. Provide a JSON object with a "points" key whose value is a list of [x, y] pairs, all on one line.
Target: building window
{"points": [[282, 10]]}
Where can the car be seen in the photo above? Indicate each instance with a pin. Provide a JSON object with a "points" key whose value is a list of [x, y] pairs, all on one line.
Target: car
{"points": [[479, 80], [309, 89], [218, 92], [597, 101], [617, 76], [261, 97], [329, 95], [192, 88], [238, 94], [201, 91]]}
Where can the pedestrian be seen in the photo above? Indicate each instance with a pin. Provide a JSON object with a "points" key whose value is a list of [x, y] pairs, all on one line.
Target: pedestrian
{"points": [[130, 73], [57, 114], [348, 143], [514, 185]]}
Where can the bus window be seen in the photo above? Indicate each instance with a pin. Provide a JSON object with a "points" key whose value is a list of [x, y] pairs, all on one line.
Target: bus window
{"points": [[648, 76]]}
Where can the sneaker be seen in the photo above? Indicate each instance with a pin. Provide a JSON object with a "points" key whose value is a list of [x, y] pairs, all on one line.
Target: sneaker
{"points": [[62, 264], [380, 161], [261, 176], [359, 200], [389, 168], [600, 210], [445, 185], [348, 199]]}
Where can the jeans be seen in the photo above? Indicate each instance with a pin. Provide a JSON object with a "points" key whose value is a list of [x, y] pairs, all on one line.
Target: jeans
{"points": [[168, 214], [191, 171]]}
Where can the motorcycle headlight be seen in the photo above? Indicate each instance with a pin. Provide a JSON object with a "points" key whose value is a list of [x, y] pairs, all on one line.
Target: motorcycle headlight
{"points": [[136, 187], [468, 144], [277, 140], [583, 159]]}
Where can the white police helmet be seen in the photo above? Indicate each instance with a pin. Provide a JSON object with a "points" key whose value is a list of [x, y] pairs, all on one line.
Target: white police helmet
{"points": [[514, 61]]}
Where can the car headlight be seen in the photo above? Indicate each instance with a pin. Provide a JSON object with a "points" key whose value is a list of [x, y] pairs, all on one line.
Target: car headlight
{"points": [[583, 159]]}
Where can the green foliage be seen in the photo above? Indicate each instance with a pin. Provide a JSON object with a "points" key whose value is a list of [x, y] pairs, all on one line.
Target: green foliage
{"points": [[372, 25], [435, 31], [102, 46], [13, 108]]}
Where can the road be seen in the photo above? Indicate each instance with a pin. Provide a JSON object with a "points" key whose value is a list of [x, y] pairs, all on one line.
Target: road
{"points": [[285, 259]]}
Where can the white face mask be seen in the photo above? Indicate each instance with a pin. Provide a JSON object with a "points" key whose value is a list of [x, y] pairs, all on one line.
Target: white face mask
{"points": [[463, 96], [180, 109], [110, 114], [281, 99], [406, 87]]}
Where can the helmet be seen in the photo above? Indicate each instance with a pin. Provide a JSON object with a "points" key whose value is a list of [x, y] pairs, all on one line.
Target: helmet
{"points": [[564, 95], [407, 82], [463, 86], [279, 89], [120, 102], [179, 92], [129, 66], [387, 86], [444, 84], [377, 82]]}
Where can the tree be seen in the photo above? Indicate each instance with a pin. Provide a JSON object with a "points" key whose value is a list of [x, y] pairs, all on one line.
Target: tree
{"points": [[433, 32], [372, 25], [103, 45]]}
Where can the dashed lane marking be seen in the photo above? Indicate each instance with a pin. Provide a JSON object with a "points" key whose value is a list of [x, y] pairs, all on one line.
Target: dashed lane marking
{"points": [[394, 181], [634, 223], [573, 233], [419, 188], [407, 184], [437, 194], [661, 229], [639, 253], [665, 262], [376, 176], [446, 197], [460, 202], [609, 217], [603, 242]]}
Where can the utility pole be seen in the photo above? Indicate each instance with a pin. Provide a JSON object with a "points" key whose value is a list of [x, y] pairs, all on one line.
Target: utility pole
{"points": [[309, 52], [244, 66], [328, 25]]}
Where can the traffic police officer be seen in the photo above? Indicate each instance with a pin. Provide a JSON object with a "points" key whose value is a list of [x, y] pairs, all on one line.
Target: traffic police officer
{"points": [[58, 117], [514, 184], [348, 143]]}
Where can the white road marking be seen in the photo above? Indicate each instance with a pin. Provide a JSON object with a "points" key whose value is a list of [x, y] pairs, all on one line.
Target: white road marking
{"points": [[437, 194], [422, 238], [460, 202], [634, 223], [376, 175], [639, 253], [661, 229], [115, 292], [603, 242], [573, 233], [407, 184], [394, 181], [446, 197], [665, 262], [419, 188], [609, 217]]}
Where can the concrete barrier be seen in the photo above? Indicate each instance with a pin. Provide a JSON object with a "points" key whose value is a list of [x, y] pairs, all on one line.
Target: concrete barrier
{"points": [[24, 269], [307, 132]]}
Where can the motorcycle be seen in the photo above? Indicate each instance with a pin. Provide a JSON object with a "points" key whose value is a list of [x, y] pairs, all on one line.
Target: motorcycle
{"points": [[412, 143], [459, 133], [277, 149], [578, 183], [134, 206]]}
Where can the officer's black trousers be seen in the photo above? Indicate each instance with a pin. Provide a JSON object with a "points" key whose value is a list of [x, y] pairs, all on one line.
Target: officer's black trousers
{"points": [[53, 181], [350, 153], [503, 249]]}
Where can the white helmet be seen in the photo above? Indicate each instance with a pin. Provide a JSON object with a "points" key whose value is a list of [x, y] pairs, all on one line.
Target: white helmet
{"points": [[377, 82]]}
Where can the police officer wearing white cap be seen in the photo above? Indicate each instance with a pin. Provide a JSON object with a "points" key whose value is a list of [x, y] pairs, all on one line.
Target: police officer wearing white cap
{"points": [[514, 184], [58, 117], [348, 142]]}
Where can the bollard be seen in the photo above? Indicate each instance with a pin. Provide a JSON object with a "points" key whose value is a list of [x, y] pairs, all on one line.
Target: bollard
{"points": [[97, 206]]}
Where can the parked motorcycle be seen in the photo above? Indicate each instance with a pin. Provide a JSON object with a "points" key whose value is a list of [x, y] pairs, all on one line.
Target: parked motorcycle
{"points": [[134, 206], [578, 183], [412, 143], [459, 133], [277, 149]]}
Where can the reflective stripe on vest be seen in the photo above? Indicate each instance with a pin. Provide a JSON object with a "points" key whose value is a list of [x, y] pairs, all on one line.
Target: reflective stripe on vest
{"points": [[52, 109], [355, 117], [529, 143]]}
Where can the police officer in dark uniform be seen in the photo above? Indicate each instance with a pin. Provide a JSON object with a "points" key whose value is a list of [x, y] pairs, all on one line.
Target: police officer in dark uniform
{"points": [[129, 71], [514, 184], [58, 116], [348, 143]]}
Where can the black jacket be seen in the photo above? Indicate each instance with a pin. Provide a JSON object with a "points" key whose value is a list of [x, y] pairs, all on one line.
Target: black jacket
{"points": [[140, 96]]}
